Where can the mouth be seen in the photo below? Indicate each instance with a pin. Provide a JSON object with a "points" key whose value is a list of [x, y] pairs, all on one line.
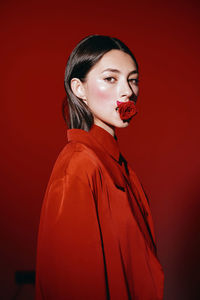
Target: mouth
{"points": [[126, 110], [118, 104]]}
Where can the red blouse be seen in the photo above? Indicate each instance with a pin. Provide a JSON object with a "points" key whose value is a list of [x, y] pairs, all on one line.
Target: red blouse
{"points": [[96, 239]]}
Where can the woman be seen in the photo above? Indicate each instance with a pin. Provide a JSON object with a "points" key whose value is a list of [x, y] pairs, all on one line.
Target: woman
{"points": [[96, 238]]}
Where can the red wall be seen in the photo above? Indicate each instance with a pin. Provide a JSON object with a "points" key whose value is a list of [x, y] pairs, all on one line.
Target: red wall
{"points": [[162, 143]]}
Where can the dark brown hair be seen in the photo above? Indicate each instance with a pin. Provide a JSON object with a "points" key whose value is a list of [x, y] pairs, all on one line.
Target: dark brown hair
{"points": [[84, 56]]}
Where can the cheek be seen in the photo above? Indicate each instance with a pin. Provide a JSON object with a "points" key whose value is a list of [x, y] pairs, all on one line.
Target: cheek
{"points": [[100, 92], [136, 90]]}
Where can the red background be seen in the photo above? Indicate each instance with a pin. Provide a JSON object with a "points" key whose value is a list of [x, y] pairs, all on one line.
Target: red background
{"points": [[161, 144]]}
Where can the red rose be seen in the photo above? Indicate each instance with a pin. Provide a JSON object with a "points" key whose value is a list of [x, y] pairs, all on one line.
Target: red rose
{"points": [[126, 109]]}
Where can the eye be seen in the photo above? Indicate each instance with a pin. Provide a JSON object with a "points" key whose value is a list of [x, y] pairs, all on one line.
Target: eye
{"points": [[110, 79], [134, 81]]}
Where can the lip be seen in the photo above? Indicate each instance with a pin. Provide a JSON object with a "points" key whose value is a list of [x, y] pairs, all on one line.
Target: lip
{"points": [[119, 102]]}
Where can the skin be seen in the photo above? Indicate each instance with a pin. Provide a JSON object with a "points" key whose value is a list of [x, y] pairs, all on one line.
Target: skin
{"points": [[114, 78]]}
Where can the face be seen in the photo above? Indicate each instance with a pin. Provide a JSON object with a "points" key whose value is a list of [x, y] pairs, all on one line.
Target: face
{"points": [[114, 78]]}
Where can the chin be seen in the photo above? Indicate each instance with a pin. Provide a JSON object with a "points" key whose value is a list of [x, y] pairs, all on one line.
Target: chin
{"points": [[123, 124]]}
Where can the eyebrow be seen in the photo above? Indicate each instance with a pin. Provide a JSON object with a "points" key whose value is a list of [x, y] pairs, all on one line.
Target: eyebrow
{"points": [[117, 71]]}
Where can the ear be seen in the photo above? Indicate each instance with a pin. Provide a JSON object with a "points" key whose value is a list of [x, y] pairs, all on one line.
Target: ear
{"points": [[78, 89]]}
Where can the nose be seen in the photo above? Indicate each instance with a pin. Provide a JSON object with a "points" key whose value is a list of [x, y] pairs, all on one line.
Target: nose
{"points": [[127, 92]]}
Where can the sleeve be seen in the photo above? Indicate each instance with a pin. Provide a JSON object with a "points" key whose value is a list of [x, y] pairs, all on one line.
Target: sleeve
{"points": [[70, 261]]}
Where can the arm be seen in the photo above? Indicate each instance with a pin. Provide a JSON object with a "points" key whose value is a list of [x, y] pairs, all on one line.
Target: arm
{"points": [[70, 259]]}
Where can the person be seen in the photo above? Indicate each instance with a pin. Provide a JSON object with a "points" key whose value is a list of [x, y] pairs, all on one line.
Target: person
{"points": [[96, 239]]}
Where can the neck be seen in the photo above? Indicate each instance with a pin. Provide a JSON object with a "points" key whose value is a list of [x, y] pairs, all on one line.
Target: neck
{"points": [[110, 129]]}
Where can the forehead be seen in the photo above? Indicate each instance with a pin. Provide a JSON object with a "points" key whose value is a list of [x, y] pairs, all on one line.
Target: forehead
{"points": [[116, 59]]}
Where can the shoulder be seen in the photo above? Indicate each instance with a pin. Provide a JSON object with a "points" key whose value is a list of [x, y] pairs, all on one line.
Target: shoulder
{"points": [[78, 160]]}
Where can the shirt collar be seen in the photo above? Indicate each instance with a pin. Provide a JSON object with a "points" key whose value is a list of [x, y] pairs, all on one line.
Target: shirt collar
{"points": [[97, 136]]}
